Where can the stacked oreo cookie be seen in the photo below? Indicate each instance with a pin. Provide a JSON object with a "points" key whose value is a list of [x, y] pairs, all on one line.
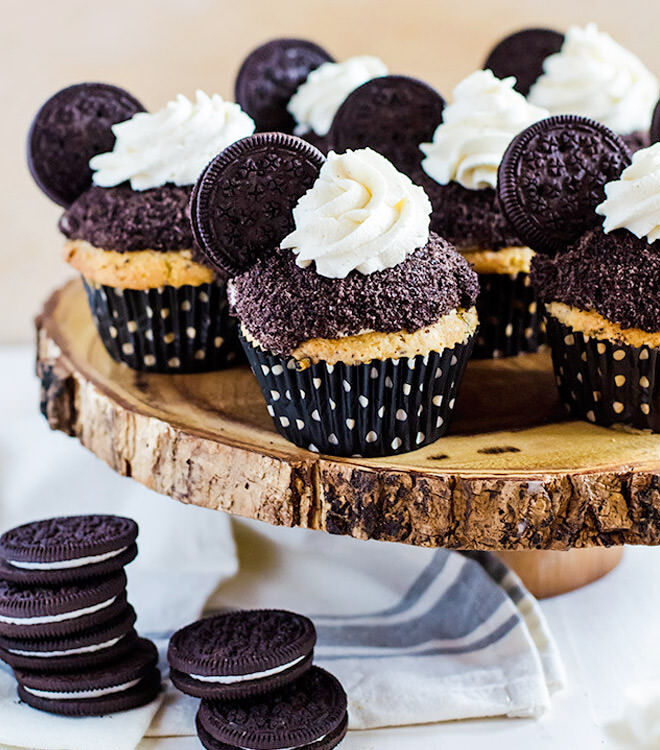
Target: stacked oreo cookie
{"points": [[66, 627], [254, 672]]}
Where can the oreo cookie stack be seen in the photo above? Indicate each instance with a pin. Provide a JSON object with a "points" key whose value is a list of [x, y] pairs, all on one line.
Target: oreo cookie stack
{"points": [[254, 671], [66, 627]]}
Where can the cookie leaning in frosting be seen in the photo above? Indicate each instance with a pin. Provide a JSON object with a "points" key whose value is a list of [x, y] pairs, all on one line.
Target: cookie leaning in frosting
{"points": [[357, 320], [598, 278], [157, 303], [582, 72], [295, 86], [462, 161]]}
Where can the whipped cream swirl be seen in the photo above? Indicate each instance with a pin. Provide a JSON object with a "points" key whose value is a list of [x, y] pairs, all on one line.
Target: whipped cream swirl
{"points": [[633, 201], [476, 128], [172, 145], [595, 77], [361, 214], [317, 100]]}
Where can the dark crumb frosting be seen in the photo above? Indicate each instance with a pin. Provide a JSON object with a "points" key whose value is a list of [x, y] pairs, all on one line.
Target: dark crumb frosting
{"points": [[616, 275], [125, 220], [282, 305], [638, 139], [470, 218]]}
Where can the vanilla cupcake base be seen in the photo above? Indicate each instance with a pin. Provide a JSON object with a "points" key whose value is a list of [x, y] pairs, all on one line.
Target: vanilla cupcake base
{"points": [[371, 408], [510, 321], [602, 377]]}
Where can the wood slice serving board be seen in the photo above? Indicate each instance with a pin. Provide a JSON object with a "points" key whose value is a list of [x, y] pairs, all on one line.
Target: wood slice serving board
{"points": [[514, 474]]}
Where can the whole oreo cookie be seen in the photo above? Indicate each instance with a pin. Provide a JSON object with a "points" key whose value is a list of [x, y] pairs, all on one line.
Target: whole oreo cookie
{"points": [[242, 203], [91, 648], [271, 75], [308, 713], [655, 124], [129, 682], [522, 55], [71, 127], [391, 115], [40, 612], [553, 176], [70, 548], [241, 654]]}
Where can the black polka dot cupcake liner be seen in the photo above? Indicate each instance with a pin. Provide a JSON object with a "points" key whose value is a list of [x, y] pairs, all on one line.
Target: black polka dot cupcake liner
{"points": [[379, 408], [169, 329], [510, 319], [603, 381]]}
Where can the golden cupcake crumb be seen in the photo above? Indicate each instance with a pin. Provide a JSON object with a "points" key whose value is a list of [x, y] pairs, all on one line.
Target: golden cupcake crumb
{"points": [[508, 261], [142, 269], [451, 329]]}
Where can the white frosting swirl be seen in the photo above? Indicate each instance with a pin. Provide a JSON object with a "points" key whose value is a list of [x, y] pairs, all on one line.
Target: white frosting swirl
{"points": [[476, 128], [171, 145], [361, 214], [595, 77], [318, 98], [633, 201]]}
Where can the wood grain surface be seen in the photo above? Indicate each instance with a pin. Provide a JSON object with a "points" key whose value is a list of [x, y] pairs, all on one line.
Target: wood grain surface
{"points": [[513, 474]]}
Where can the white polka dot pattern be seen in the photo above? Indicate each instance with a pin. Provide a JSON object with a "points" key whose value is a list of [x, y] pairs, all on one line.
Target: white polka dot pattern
{"points": [[169, 329], [372, 409], [605, 382], [509, 317]]}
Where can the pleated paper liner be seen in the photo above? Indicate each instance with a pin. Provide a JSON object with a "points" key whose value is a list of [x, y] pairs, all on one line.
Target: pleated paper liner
{"points": [[379, 408], [169, 329], [510, 319], [606, 382]]}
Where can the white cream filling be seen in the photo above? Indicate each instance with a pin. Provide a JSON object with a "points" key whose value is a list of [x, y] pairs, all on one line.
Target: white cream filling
{"points": [[82, 693], [57, 618], [64, 564], [231, 679], [67, 652]]}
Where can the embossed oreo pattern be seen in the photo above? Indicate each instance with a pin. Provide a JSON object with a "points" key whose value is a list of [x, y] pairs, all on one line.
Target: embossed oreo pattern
{"points": [[605, 382], [392, 115], [71, 127], [295, 716], [242, 203], [167, 329], [67, 537], [270, 76], [553, 176], [379, 408], [522, 55]]}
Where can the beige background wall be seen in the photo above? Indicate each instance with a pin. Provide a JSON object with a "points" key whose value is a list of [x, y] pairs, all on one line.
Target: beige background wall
{"points": [[156, 48]]}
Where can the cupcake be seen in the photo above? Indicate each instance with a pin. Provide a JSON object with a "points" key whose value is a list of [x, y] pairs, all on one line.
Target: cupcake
{"points": [[462, 161], [294, 86], [584, 72], [598, 266], [156, 301], [356, 319]]}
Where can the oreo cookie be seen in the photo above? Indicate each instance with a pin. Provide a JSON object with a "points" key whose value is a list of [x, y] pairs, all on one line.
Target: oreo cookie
{"points": [[391, 115], [553, 175], [71, 127], [71, 548], [242, 203], [522, 55], [271, 75], [49, 612], [241, 654], [310, 713], [132, 681], [91, 648], [655, 124]]}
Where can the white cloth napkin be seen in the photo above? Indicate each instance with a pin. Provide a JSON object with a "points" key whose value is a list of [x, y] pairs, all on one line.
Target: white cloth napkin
{"points": [[415, 635], [185, 552]]}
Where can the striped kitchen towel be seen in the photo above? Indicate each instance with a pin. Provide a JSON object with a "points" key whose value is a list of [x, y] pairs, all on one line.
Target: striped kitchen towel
{"points": [[414, 635]]}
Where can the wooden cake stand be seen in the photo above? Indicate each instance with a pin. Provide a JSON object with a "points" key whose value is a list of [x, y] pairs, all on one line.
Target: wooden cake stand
{"points": [[514, 475]]}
